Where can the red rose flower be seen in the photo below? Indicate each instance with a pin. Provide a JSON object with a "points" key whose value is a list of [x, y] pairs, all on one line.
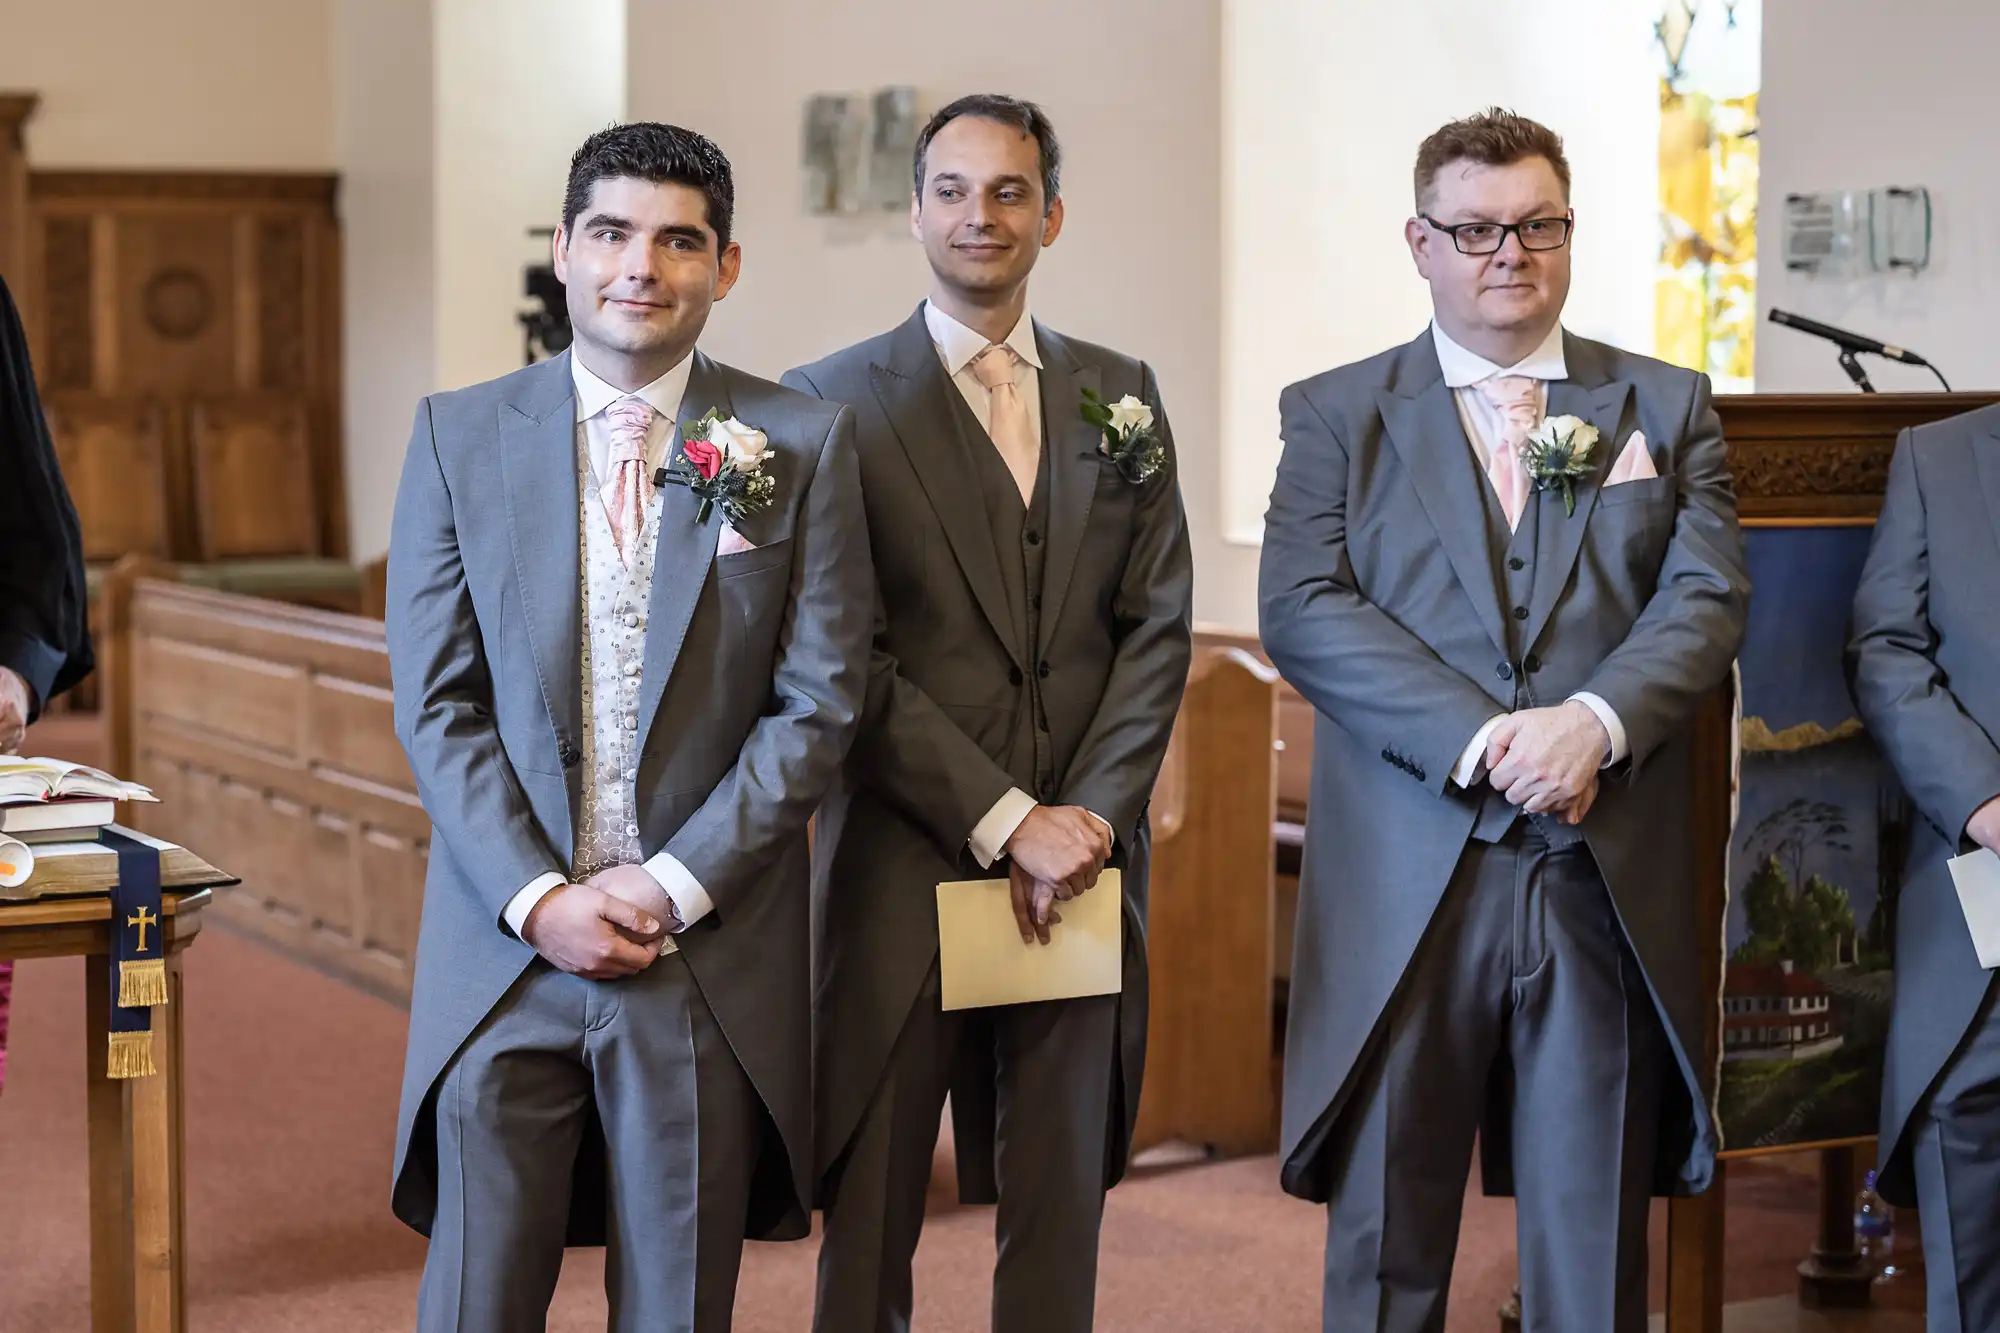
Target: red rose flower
{"points": [[707, 459]]}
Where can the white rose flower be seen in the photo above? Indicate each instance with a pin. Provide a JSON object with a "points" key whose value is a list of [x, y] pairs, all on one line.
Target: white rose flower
{"points": [[1580, 433], [1129, 414], [743, 447]]}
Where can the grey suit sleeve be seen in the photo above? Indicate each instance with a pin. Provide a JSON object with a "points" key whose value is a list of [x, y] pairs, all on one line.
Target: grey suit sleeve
{"points": [[1351, 660], [1691, 629], [1118, 759], [907, 751], [1949, 764], [792, 753], [444, 692]]}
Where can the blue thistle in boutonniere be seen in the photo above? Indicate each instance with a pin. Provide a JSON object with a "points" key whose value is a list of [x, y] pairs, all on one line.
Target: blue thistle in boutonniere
{"points": [[722, 461], [1130, 441], [1559, 453]]}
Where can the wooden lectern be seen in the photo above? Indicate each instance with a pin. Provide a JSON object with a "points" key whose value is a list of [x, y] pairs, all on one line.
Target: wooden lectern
{"points": [[1798, 460]]}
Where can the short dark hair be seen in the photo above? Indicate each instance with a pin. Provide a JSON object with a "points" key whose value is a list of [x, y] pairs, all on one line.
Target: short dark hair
{"points": [[1493, 138], [662, 154], [1012, 112]]}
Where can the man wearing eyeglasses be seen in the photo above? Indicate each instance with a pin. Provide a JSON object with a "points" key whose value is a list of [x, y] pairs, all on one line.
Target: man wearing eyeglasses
{"points": [[1505, 625]]}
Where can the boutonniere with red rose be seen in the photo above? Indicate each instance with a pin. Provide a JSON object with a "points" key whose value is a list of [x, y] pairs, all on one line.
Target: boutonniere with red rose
{"points": [[722, 461]]}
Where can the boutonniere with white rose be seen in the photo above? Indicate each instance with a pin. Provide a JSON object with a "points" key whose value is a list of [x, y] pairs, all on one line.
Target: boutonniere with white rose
{"points": [[1559, 453], [1130, 440], [722, 461]]}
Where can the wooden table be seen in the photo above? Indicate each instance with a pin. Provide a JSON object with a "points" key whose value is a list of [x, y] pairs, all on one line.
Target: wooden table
{"points": [[138, 1273]]}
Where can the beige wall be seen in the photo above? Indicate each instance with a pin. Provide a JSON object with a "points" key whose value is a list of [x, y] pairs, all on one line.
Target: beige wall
{"points": [[1133, 88], [520, 83], [141, 83], [1854, 99], [383, 119]]}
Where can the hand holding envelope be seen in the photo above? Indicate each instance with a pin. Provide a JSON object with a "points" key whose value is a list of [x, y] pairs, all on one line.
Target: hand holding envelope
{"points": [[982, 960]]}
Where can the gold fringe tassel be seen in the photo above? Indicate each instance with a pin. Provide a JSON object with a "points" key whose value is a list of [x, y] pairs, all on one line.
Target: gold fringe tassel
{"points": [[142, 983], [131, 1055]]}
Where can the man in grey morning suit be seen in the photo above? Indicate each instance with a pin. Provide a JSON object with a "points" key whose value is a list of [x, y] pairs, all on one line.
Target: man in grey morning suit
{"points": [[1495, 915], [1031, 646], [1924, 665], [621, 710]]}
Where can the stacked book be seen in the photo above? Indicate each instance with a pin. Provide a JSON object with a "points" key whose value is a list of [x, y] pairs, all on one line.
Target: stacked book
{"points": [[50, 814]]}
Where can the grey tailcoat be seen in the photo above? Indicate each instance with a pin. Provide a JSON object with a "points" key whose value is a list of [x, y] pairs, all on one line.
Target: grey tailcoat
{"points": [[753, 676], [947, 686], [1924, 666], [1380, 602]]}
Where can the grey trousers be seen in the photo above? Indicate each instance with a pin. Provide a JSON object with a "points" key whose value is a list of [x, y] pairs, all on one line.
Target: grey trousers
{"points": [[681, 1125], [1055, 1066], [1956, 1156], [1523, 1006]]}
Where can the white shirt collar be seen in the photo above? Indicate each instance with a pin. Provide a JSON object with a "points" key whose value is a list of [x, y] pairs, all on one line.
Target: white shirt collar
{"points": [[1463, 368], [663, 395], [958, 344]]}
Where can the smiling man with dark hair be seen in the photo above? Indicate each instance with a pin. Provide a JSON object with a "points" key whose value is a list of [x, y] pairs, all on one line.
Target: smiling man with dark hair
{"points": [[628, 611]]}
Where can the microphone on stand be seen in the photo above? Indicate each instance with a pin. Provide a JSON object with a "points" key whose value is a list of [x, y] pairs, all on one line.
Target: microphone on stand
{"points": [[1850, 343]]}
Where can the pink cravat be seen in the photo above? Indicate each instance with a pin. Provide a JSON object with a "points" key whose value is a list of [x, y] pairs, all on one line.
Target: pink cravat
{"points": [[1013, 434], [624, 488], [1519, 399]]}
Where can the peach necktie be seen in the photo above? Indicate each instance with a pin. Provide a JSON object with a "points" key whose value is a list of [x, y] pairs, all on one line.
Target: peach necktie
{"points": [[1519, 401], [623, 488], [1013, 434]]}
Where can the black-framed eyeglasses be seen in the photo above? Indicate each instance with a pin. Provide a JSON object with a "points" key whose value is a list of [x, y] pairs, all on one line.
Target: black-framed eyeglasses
{"points": [[1484, 238]]}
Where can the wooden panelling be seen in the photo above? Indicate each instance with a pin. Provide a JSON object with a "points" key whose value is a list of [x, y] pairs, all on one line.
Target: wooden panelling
{"points": [[253, 479], [1295, 723], [113, 453], [173, 308], [216, 296], [267, 731], [68, 307], [1209, 925], [15, 111], [1823, 456]]}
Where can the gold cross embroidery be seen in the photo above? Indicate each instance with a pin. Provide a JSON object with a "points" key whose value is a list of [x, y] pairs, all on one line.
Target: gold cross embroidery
{"points": [[142, 920]]}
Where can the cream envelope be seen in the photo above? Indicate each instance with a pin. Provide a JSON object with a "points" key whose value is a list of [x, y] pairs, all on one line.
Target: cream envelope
{"points": [[1635, 464], [982, 961]]}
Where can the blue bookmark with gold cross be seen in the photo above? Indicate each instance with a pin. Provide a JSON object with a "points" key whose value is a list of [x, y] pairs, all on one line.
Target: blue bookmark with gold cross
{"points": [[138, 955]]}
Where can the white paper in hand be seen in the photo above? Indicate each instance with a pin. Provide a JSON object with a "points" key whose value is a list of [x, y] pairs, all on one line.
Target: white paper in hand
{"points": [[1977, 875], [982, 961]]}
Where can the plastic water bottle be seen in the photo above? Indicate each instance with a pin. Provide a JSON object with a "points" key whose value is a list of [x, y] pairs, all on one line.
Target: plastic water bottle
{"points": [[1875, 1231]]}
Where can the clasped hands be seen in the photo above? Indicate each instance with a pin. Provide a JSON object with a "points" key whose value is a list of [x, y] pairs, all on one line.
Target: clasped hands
{"points": [[1546, 760], [1055, 854], [614, 924]]}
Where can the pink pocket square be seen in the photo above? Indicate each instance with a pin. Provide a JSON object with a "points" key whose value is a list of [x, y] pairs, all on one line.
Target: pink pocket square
{"points": [[1635, 464], [731, 541]]}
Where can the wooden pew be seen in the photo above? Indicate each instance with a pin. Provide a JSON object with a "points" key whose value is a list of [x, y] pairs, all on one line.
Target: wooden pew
{"points": [[1209, 1053], [267, 730]]}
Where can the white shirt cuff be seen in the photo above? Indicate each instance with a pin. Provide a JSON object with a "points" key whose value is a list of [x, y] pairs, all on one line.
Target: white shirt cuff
{"points": [[1102, 820], [990, 834], [1612, 726], [522, 903], [1475, 753], [690, 899]]}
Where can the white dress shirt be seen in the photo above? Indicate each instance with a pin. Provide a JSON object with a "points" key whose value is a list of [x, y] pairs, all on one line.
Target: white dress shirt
{"points": [[593, 396], [957, 346], [1463, 371]]}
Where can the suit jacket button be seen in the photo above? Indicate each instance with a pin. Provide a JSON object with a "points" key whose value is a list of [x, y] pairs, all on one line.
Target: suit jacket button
{"points": [[1516, 563], [1043, 671], [569, 754], [1013, 675], [1532, 662], [1418, 774], [1520, 613], [1504, 671], [1034, 539]]}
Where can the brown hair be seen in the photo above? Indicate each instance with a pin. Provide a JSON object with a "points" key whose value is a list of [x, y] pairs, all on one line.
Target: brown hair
{"points": [[1493, 138]]}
